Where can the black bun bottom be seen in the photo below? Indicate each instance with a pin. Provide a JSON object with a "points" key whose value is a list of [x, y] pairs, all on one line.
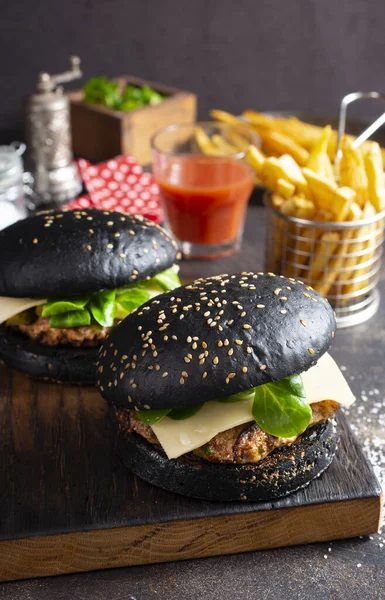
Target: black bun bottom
{"points": [[59, 364], [282, 472]]}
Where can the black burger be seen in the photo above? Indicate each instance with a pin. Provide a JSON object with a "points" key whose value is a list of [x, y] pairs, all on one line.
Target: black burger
{"points": [[223, 388], [67, 278]]}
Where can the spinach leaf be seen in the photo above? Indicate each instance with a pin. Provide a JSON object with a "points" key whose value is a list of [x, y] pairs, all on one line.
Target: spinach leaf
{"points": [[129, 288], [75, 318], [150, 417], [103, 307], [133, 298], [280, 408], [246, 395], [179, 414], [58, 306], [167, 280]]}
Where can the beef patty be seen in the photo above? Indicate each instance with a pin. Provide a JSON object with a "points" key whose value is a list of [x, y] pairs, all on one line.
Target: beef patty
{"points": [[88, 336], [243, 444]]}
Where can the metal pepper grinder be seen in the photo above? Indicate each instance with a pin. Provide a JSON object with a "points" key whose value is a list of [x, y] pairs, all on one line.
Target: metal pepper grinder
{"points": [[48, 138]]}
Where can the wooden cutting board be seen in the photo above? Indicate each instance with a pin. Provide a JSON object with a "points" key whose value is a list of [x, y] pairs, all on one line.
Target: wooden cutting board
{"points": [[68, 504]]}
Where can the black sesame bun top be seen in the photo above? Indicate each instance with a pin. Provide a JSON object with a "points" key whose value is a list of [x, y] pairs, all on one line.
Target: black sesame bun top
{"points": [[72, 252], [213, 338]]}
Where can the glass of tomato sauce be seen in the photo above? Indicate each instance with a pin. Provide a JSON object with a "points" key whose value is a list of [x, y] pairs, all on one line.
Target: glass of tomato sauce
{"points": [[205, 185]]}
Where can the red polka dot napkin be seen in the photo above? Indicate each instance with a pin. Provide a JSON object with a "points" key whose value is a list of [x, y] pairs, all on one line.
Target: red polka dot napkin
{"points": [[119, 184]]}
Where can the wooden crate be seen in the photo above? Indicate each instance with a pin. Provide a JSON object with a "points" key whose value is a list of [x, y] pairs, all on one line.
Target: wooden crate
{"points": [[100, 133]]}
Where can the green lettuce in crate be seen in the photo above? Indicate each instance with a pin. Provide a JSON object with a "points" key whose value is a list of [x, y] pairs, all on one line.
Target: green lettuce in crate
{"points": [[105, 92]]}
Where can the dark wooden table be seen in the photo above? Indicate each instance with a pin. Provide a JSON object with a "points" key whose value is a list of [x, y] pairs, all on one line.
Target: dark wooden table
{"points": [[353, 569]]}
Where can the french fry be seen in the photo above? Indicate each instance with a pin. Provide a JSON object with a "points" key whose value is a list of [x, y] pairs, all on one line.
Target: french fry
{"points": [[319, 160], [276, 200], [284, 168], [295, 207], [305, 208], [293, 172], [285, 188], [304, 134], [325, 216], [288, 207], [336, 263], [226, 117], [256, 159], [365, 147], [321, 189], [342, 201], [352, 170], [324, 250], [205, 144], [324, 285], [301, 249], [273, 169], [237, 139], [223, 146], [327, 196], [375, 173], [359, 247], [276, 143], [271, 177], [260, 120], [355, 213]]}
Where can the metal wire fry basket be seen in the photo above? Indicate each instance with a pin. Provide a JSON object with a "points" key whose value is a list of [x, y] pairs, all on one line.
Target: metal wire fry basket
{"points": [[340, 260]]}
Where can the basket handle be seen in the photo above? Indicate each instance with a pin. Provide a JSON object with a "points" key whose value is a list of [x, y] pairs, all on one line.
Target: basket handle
{"points": [[346, 100]]}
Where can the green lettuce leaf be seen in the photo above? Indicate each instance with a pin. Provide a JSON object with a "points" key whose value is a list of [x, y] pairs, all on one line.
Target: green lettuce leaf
{"points": [[132, 298], [280, 408], [129, 288], [246, 395], [75, 318], [104, 91], [58, 306], [150, 417], [103, 308], [106, 305], [179, 414], [101, 90], [150, 96], [167, 280], [132, 93]]}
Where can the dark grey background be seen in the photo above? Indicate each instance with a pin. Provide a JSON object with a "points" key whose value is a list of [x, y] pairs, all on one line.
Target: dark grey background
{"points": [[265, 54]]}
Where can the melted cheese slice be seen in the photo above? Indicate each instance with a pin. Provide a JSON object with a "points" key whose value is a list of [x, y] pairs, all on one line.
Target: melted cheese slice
{"points": [[324, 381], [9, 307]]}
